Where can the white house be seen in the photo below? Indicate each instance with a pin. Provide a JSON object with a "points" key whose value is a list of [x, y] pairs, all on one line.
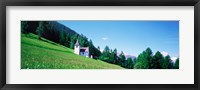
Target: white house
{"points": [[84, 51]]}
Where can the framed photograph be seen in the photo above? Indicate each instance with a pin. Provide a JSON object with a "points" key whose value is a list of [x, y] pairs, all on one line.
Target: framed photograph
{"points": [[98, 44]]}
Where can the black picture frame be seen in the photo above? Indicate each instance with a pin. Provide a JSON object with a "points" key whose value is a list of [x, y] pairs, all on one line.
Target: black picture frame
{"points": [[4, 3]]}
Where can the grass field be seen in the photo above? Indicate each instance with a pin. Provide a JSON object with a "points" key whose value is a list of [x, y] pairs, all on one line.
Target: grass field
{"points": [[44, 54]]}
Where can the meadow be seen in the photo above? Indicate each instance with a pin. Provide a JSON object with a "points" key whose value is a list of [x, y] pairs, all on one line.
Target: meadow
{"points": [[45, 54]]}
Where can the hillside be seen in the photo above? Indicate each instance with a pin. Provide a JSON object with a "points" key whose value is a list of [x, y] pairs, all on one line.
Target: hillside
{"points": [[50, 25], [45, 54]]}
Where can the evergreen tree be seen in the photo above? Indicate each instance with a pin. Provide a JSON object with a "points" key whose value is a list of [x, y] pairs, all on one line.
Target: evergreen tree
{"points": [[73, 41], [176, 65], [106, 50], [148, 57], [144, 59], [115, 56], [112, 56], [156, 62], [130, 63], [167, 64], [62, 38], [106, 54], [68, 40], [122, 59], [40, 30], [98, 48], [24, 27], [91, 48], [83, 41], [97, 53]]}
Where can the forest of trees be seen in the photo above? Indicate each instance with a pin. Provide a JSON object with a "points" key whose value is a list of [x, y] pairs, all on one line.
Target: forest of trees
{"points": [[145, 60], [58, 33], [63, 35]]}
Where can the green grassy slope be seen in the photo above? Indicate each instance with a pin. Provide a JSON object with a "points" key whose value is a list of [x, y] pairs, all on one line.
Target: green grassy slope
{"points": [[44, 54]]}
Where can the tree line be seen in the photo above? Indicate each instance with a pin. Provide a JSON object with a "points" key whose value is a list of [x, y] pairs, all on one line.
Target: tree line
{"points": [[63, 35], [145, 60]]}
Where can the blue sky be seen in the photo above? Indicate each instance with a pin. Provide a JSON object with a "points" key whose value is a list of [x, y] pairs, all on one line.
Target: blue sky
{"points": [[131, 37]]}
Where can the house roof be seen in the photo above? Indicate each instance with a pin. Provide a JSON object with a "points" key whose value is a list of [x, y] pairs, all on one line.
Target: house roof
{"points": [[86, 49]]}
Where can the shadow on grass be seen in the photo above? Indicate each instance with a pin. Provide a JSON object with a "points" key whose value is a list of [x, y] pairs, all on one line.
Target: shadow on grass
{"points": [[49, 42]]}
